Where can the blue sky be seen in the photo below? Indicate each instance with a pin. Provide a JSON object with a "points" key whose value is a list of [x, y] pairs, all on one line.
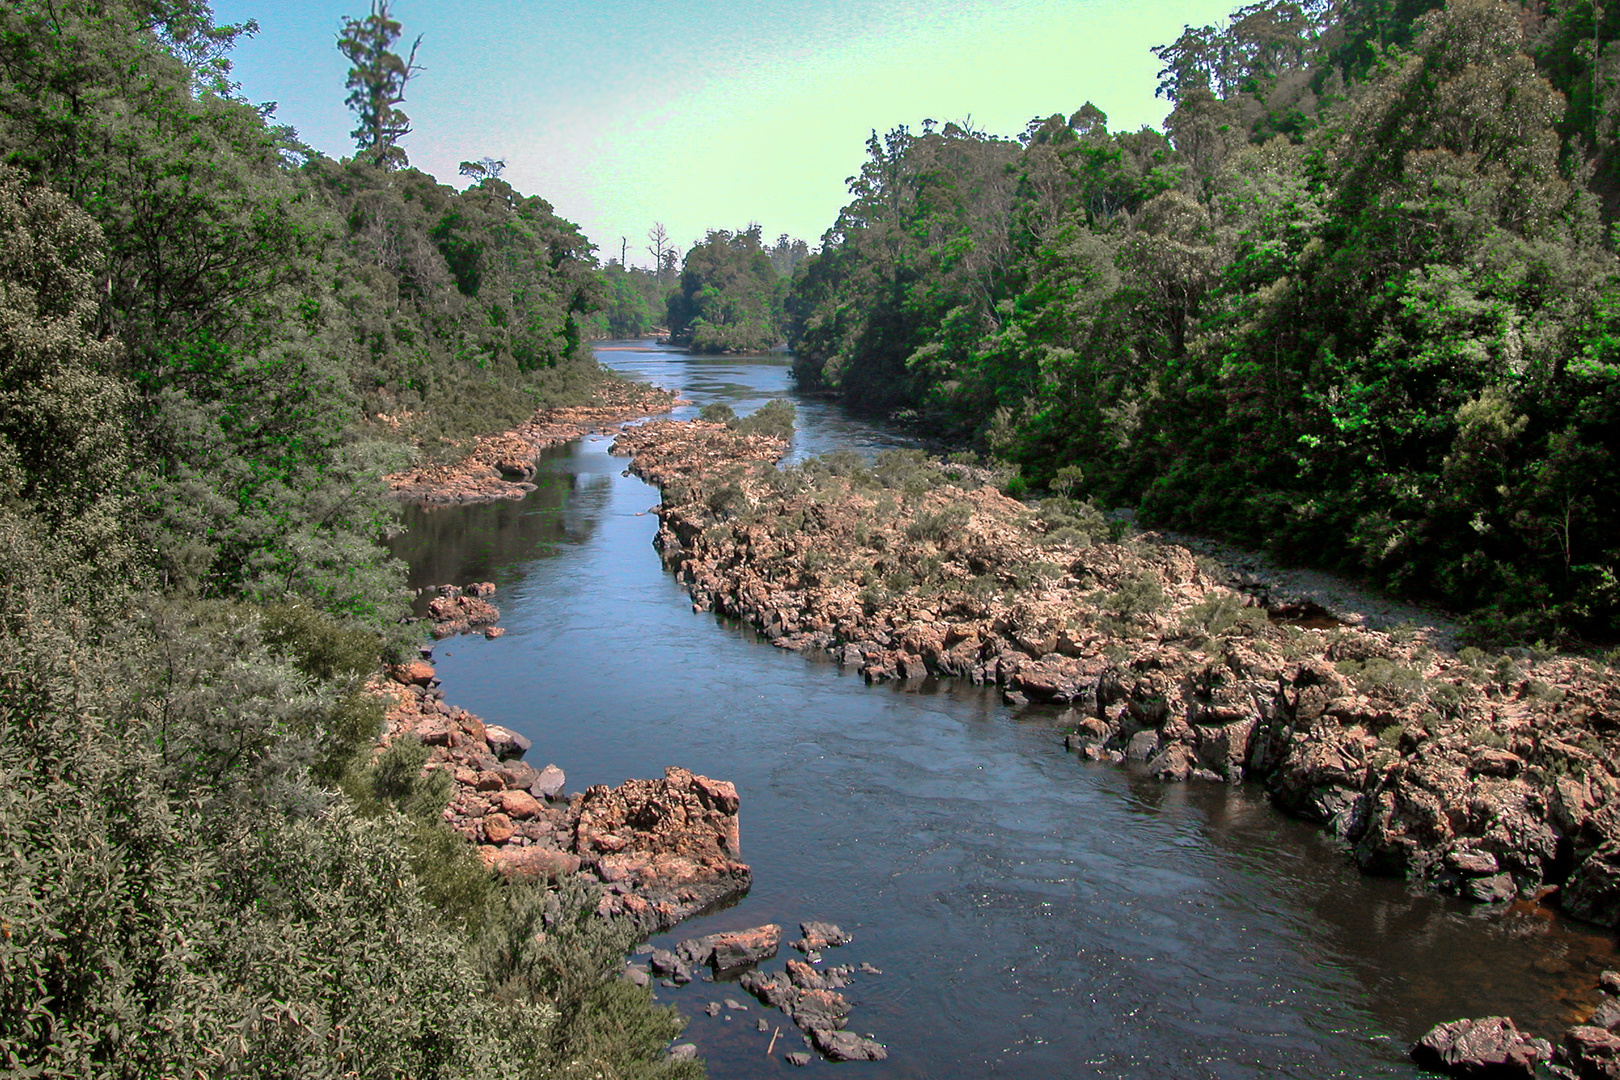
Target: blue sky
{"points": [[715, 114]]}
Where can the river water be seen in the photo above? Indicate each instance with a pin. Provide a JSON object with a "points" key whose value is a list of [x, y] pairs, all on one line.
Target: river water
{"points": [[1032, 915]]}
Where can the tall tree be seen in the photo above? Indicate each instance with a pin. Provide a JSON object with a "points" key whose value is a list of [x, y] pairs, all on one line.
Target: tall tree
{"points": [[377, 84]]}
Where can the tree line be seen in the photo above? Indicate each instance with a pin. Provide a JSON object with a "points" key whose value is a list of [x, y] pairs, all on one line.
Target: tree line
{"points": [[213, 342], [1356, 302]]}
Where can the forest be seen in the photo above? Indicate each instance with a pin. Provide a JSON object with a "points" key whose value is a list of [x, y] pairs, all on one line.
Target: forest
{"points": [[1356, 303]]}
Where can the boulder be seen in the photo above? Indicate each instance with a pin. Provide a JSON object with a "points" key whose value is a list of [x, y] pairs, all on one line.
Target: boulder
{"points": [[519, 805], [820, 935], [741, 948], [1606, 1015], [505, 742], [534, 863], [413, 673], [548, 784], [1489, 1047], [847, 1046], [1592, 1053], [497, 828], [1593, 890], [813, 1009]]}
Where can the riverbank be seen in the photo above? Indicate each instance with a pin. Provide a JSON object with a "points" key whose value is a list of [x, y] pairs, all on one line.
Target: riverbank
{"points": [[1490, 777], [502, 466], [660, 850]]}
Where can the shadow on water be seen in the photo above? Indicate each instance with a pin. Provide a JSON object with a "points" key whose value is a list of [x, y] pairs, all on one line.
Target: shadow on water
{"points": [[1034, 915]]}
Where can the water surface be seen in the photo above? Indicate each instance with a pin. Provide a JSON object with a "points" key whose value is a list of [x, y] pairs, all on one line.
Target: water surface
{"points": [[1033, 915]]}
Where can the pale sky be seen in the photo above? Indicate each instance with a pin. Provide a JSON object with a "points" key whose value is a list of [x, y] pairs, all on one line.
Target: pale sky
{"points": [[709, 115]]}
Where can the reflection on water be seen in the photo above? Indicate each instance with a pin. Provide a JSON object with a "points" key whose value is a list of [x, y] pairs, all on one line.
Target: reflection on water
{"points": [[1034, 915]]}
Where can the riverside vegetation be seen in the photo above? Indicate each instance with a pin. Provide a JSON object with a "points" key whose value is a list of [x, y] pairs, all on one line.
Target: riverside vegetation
{"points": [[1356, 302], [215, 341]]}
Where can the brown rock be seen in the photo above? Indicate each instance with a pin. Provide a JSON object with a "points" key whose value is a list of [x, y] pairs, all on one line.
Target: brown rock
{"points": [[413, 673], [497, 828], [516, 804], [534, 863]]}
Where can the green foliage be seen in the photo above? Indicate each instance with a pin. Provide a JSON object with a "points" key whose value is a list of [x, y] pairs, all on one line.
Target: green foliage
{"points": [[377, 84], [729, 298], [1357, 308], [937, 526], [774, 418]]}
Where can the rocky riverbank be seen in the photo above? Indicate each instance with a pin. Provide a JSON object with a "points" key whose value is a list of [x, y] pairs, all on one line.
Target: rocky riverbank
{"points": [[1488, 776], [661, 850], [502, 466]]}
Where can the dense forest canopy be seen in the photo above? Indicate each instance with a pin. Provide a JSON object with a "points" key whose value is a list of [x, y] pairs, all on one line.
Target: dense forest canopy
{"points": [[1356, 302]]}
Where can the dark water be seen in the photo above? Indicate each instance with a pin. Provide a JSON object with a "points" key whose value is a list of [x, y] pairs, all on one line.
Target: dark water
{"points": [[1034, 916]]}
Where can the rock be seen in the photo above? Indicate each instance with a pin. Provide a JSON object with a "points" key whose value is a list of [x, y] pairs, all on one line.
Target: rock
{"points": [[535, 863], [1593, 890], [673, 842], [1143, 745], [664, 962], [774, 989], [1492, 762], [740, 948], [519, 805], [683, 1052], [814, 1009], [638, 975], [497, 828], [762, 1024], [505, 742], [487, 588], [1592, 1052], [493, 632], [821, 935], [1490, 890], [869, 969], [1606, 1015], [1472, 863], [847, 1046], [413, 673], [696, 950], [735, 1006], [1610, 981], [804, 976], [712, 1008], [1489, 1047], [798, 1057], [549, 784]]}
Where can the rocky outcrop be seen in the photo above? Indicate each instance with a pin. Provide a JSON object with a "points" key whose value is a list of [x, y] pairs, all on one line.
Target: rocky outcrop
{"points": [[661, 849], [1488, 776], [503, 466], [1492, 1047], [457, 610]]}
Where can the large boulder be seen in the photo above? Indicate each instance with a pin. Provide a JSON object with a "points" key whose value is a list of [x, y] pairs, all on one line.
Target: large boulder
{"points": [[1489, 1047]]}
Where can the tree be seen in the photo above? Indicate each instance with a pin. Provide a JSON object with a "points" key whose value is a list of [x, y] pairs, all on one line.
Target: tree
{"points": [[660, 244], [377, 84], [485, 168]]}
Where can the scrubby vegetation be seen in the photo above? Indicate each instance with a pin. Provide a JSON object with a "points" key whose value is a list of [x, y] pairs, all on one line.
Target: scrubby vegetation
{"points": [[214, 341]]}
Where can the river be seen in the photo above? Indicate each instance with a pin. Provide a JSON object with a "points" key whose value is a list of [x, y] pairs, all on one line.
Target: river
{"points": [[1033, 915]]}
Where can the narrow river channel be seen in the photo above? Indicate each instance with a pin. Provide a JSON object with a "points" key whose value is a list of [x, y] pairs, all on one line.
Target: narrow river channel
{"points": [[1033, 915]]}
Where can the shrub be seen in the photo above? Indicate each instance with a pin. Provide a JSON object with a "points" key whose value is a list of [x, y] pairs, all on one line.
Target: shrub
{"points": [[937, 525], [718, 412], [774, 418]]}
